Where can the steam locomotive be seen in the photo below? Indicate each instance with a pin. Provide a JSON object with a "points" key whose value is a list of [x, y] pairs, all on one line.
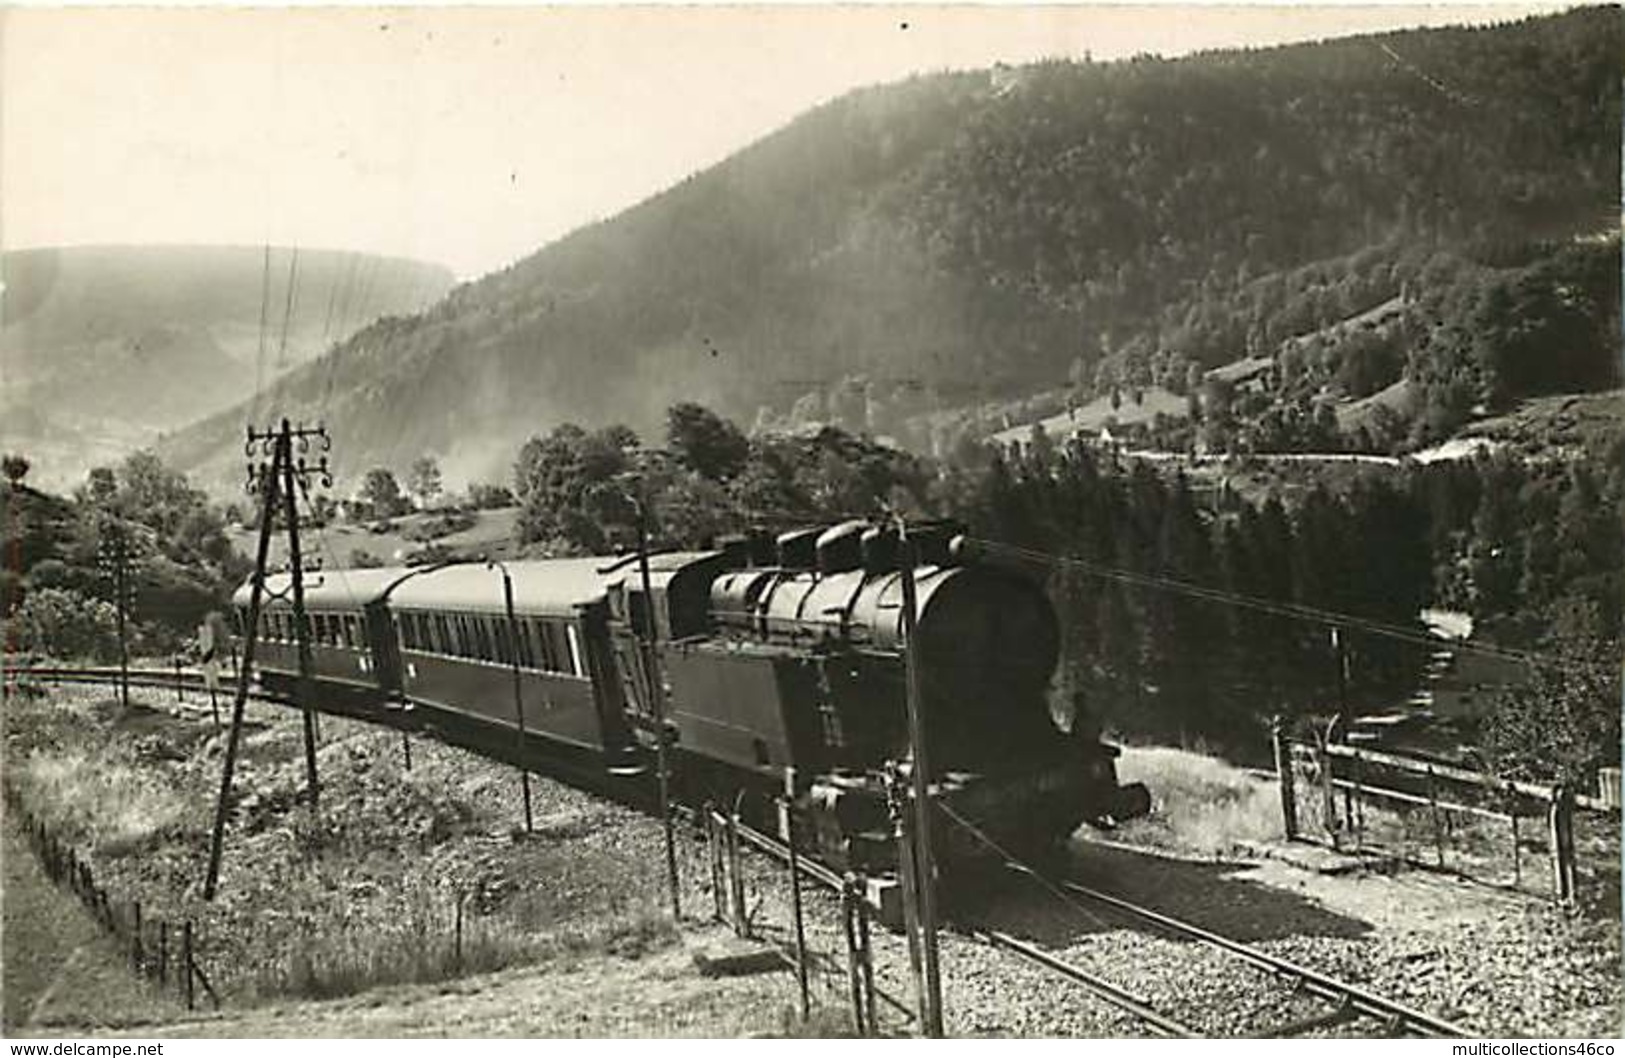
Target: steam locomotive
{"points": [[779, 662]]}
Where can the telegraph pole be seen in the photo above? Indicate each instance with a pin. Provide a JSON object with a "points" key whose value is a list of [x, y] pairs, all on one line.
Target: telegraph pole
{"points": [[115, 558], [518, 687], [925, 874], [301, 621], [262, 479], [657, 705], [273, 473]]}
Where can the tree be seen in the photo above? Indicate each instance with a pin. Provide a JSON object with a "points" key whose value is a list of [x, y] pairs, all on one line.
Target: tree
{"points": [[15, 467], [381, 493], [1564, 722], [484, 496], [423, 479], [706, 443]]}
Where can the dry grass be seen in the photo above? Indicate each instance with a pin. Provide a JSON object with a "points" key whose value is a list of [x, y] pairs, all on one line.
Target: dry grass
{"points": [[1199, 803], [118, 809], [424, 947]]}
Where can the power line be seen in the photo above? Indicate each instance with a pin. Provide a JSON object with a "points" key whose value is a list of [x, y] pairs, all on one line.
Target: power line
{"points": [[1296, 611], [259, 358], [287, 308]]}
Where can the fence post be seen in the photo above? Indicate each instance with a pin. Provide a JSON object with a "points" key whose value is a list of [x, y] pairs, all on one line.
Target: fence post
{"points": [[736, 880], [1328, 792], [136, 953], [713, 844], [163, 953], [1357, 802], [457, 942], [180, 694], [1517, 860], [795, 906], [1433, 803], [851, 909], [866, 950], [186, 963], [1283, 770], [1561, 820]]}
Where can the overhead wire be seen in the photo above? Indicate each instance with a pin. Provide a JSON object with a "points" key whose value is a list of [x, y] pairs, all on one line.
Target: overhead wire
{"points": [[1279, 608], [265, 310]]}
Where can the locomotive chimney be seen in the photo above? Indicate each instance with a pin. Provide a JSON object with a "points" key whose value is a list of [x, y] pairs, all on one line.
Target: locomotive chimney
{"points": [[798, 548], [735, 551], [763, 550], [840, 547], [879, 550]]}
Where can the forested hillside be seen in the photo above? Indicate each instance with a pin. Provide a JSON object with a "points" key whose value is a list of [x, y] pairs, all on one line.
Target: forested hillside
{"points": [[102, 347], [970, 236]]}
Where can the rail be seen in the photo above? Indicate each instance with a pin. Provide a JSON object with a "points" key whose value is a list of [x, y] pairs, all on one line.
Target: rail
{"points": [[1351, 999]]}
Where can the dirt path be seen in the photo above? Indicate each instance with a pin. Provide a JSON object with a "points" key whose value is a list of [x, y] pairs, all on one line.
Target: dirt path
{"points": [[60, 969], [658, 995]]}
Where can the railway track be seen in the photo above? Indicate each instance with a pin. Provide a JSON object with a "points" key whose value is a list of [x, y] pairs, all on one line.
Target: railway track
{"points": [[1347, 1002]]}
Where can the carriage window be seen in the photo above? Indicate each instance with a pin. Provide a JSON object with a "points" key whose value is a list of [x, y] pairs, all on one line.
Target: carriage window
{"points": [[527, 655], [558, 647], [503, 644], [576, 664], [544, 646]]}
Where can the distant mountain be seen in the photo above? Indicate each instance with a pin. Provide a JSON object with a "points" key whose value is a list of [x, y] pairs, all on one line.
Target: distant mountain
{"points": [[970, 236], [101, 348]]}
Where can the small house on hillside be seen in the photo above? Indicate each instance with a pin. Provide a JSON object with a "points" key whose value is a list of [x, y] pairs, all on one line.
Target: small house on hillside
{"points": [[1250, 374]]}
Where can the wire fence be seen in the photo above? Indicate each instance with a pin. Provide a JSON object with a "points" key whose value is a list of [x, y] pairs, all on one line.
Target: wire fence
{"points": [[163, 951], [1509, 833]]}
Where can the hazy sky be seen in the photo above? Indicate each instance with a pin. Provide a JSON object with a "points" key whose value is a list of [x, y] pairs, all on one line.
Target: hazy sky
{"points": [[472, 136]]}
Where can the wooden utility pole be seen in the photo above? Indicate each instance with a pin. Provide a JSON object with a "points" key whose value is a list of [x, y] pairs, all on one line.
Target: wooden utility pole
{"points": [[301, 620], [925, 875], [272, 471], [518, 685], [657, 703], [115, 558]]}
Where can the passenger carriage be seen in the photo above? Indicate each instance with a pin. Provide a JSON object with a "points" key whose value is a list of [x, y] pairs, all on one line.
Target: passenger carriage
{"points": [[352, 643], [457, 654]]}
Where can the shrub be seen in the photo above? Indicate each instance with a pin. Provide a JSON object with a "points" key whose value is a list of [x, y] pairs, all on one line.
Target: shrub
{"points": [[63, 623]]}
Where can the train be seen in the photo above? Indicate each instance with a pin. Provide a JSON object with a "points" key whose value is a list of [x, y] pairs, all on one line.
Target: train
{"points": [[772, 667]]}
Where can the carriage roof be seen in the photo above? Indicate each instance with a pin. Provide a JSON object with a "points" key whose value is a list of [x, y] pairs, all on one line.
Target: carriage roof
{"points": [[330, 589], [549, 588]]}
